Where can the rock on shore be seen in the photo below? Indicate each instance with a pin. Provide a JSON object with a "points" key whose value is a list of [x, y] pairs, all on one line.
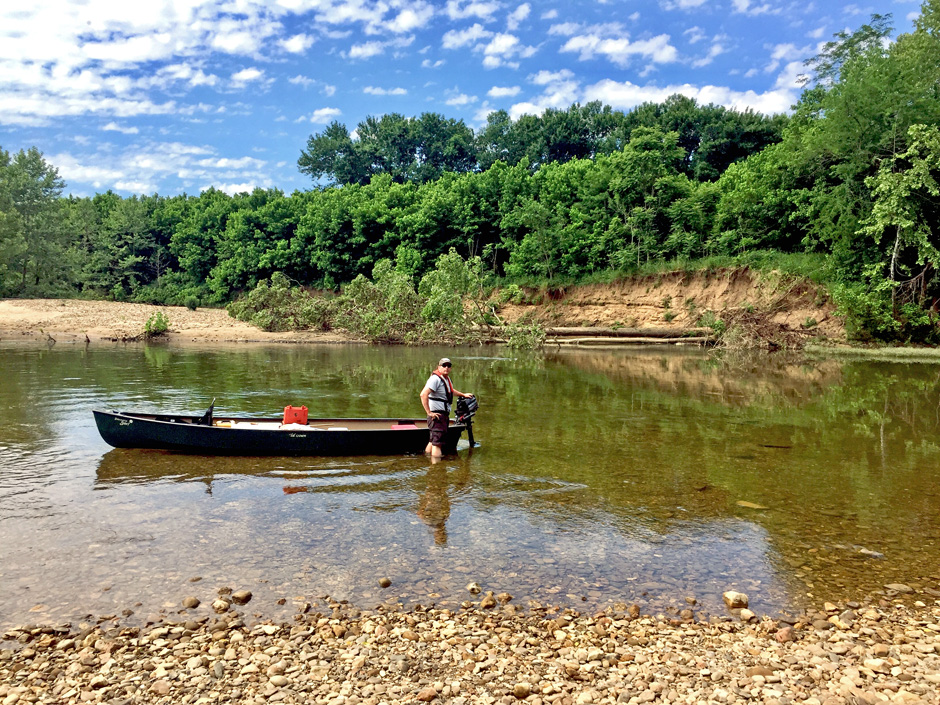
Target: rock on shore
{"points": [[850, 655]]}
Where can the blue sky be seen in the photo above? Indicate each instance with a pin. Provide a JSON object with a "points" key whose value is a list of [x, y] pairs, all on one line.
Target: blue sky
{"points": [[173, 96]]}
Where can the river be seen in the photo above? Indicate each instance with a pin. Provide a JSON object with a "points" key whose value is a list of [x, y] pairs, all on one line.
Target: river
{"points": [[603, 478]]}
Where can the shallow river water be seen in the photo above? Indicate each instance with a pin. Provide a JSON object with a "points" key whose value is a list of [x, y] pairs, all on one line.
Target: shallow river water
{"points": [[645, 476]]}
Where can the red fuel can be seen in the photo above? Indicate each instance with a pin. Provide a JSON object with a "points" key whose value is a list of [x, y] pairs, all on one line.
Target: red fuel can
{"points": [[295, 414]]}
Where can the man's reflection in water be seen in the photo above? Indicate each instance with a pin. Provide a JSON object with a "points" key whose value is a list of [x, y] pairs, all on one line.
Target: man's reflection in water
{"points": [[434, 504]]}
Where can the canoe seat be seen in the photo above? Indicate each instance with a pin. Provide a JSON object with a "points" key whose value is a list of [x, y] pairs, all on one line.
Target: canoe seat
{"points": [[403, 426]]}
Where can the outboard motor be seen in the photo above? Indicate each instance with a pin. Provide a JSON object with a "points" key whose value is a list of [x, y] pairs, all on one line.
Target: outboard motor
{"points": [[465, 410], [206, 418]]}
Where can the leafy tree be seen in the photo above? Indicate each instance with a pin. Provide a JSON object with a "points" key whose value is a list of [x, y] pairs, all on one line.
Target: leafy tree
{"points": [[407, 149], [32, 238], [195, 240], [841, 135], [906, 207], [334, 157]]}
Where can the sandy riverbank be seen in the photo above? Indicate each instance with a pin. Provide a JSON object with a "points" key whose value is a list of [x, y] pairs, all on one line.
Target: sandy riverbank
{"points": [[70, 320], [334, 654]]}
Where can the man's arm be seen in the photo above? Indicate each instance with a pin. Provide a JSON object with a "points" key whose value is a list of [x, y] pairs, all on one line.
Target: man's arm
{"points": [[425, 402]]}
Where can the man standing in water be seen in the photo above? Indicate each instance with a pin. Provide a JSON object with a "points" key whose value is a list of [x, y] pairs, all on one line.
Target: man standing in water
{"points": [[436, 397]]}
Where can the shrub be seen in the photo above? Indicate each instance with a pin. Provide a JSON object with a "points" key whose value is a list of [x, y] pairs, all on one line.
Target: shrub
{"points": [[191, 302], [386, 310], [158, 324], [275, 305], [525, 336]]}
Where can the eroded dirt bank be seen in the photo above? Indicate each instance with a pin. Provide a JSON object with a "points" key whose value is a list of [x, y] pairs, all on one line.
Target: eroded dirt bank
{"points": [[792, 311]]}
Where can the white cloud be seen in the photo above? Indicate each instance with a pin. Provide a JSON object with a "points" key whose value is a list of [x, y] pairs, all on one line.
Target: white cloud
{"points": [[816, 33], [550, 15], [187, 73], [621, 50], [297, 44], [546, 78], [141, 167], [428, 64], [744, 7], [781, 53], [517, 16], [248, 75], [503, 91], [367, 50], [415, 17], [455, 39], [461, 99], [234, 189], [627, 95], [301, 81], [502, 48], [252, 75], [372, 90], [695, 34], [717, 49], [560, 90], [681, 4], [462, 9], [565, 29], [325, 115], [328, 90], [114, 127]]}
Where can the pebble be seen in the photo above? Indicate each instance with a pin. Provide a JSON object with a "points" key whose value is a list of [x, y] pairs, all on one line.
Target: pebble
{"points": [[241, 597], [191, 602], [491, 656]]}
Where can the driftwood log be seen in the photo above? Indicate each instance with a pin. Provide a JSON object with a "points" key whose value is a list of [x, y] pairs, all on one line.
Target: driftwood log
{"points": [[583, 332], [603, 340]]}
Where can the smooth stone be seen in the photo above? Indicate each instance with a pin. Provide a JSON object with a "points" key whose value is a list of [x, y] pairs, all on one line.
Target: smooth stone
{"points": [[241, 597], [191, 602], [427, 694], [734, 599]]}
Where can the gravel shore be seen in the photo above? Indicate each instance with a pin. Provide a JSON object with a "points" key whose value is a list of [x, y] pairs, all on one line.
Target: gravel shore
{"points": [[335, 654]]}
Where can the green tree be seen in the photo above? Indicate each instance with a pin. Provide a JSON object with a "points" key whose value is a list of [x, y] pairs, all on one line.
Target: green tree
{"points": [[906, 207], [34, 242]]}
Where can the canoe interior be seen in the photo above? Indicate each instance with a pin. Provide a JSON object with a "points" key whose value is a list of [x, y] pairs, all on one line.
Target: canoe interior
{"points": [[275, 424]]}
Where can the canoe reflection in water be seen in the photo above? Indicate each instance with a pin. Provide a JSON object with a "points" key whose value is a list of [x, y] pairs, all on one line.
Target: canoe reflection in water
{"points": [[376, 483]]}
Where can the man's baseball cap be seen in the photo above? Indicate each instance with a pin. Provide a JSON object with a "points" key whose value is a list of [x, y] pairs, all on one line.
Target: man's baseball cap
{"points": [[444, 361]]}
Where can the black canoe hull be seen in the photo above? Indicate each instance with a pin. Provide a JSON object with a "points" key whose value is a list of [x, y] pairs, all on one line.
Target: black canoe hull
{"points": [[183, 434]]}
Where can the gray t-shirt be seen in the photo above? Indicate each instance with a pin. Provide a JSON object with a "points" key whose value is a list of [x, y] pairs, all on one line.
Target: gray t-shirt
{"points": [[439, 390]]}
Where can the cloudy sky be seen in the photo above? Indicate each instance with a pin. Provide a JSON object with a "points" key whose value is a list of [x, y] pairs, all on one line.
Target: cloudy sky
{"points": [[173, 96]]}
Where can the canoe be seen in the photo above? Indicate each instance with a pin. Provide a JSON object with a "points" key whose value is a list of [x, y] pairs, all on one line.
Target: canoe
{"points": [[269, 436]]}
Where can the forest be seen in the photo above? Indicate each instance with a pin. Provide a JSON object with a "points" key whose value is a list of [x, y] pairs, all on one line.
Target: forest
{"points": [[847, 184]]}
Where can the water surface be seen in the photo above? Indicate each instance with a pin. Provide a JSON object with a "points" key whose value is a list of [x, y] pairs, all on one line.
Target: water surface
{"points": [[603, 478]]}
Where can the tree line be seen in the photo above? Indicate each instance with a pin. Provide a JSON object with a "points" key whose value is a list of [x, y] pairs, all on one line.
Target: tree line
{"points": [[851, 177]]}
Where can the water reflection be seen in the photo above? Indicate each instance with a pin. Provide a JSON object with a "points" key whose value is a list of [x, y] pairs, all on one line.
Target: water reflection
{"points": [[603, 477]]}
